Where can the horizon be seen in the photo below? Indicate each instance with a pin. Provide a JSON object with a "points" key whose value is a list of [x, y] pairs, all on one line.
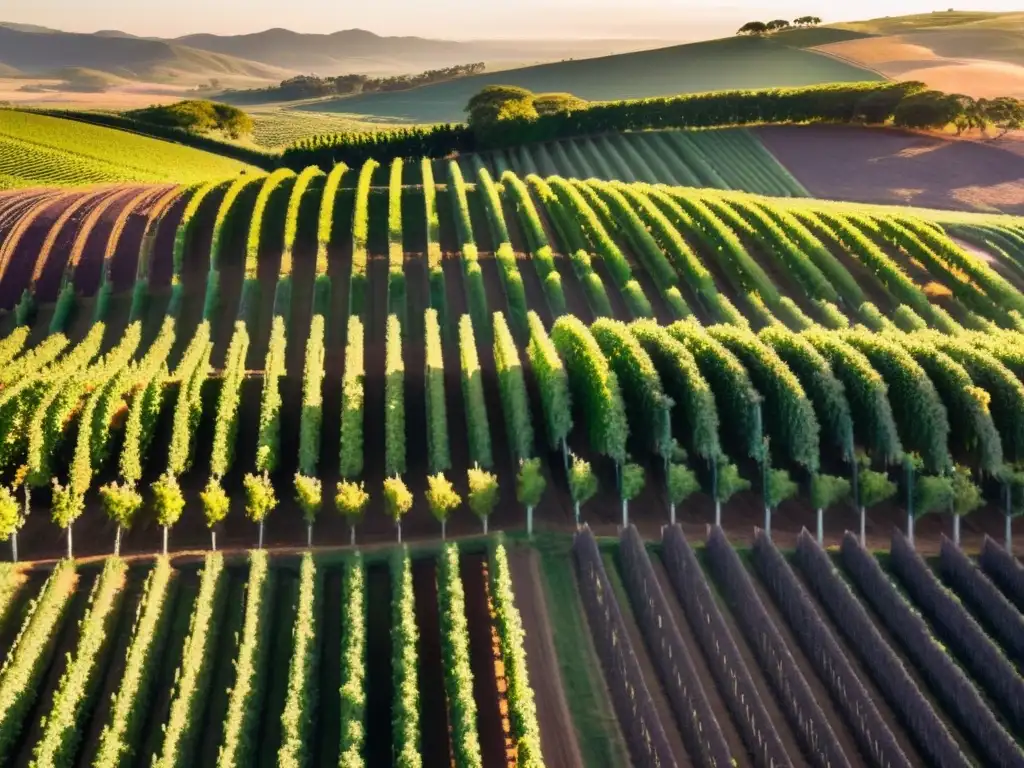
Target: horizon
{"points": [[456, 20]]}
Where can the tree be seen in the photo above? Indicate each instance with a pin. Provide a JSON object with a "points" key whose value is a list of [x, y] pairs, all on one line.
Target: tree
{"points": [[776, 24], [827, 490], [10, 519], [682, 483], [757, 28], [66, 508], [442, 499], [726, 482], [120, 501], [530, 486], [966, 498], [553, 103], [1012, 487], [309, 495], [807, 21], [260, 500], [633, 480], [350, 500], [582, 484], [924, 493], [216, 505], [397, 501], [1005, 113], [779, 486], [483, 493], [486, 107], [927, 109], [873, 488], [168, 501]]}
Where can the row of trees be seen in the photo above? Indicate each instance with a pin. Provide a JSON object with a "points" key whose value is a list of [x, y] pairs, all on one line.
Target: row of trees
{"points": [[775, 25], [314, 87]]}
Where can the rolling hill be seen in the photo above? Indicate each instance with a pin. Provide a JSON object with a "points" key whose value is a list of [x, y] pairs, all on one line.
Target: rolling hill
{"points": [[979, 54], [36, 52], [708, 66]]}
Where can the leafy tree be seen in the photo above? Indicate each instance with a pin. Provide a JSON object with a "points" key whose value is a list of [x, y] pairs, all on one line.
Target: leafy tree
{"points": [[682, 483], [442, 499], [776, 24], [966, 498], [309, 495], [582, 483], [483, 493], [489, 104], [168, 501], [873, 488], [530, 486], [927, 109], [633, 480], [753, 28], [216, 505], [397, 501], [351, 499], [121, 502], [260, 500], [1005, 113], [552, 103], [827, 490], [807, 21], [778, 487], [726, 483], [65, 508]]}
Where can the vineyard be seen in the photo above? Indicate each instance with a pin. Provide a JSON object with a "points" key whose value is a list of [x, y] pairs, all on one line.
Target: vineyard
{"points": [[400, 354], [37, 150]]}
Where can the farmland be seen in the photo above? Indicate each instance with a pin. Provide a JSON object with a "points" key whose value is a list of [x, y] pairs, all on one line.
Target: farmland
{"points": [[471, 413], [36, 150]]}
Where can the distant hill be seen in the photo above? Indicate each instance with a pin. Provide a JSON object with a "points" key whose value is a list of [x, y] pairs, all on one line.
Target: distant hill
{"points": [[709, 66], [40, 52], [363, 52]]}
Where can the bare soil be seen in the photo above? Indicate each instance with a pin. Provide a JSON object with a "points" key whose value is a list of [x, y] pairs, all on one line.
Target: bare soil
{"points": [[890, 166], [379, 685], [553, 716], [491, 704], [435, 746]]}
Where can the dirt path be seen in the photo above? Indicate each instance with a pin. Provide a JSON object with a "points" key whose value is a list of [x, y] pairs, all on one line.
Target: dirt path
{"points": [[560, 751], [718, 707], [298, 323], [268, 735], [489, 699], [326, 739], [844, 736], [379, 684], [434, 743]]}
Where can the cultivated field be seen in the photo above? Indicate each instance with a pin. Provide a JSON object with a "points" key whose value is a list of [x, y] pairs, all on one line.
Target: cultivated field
{"points": [[36, 150], [286, 325]]}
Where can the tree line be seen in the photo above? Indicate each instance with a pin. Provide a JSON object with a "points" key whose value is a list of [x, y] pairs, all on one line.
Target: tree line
{"points": [[759, 28], [314, 87]]}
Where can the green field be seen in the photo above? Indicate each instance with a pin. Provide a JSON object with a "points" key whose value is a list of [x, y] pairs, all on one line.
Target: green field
{"points": [[40, 150], [709, 66], [730, 158], [275, 129]]}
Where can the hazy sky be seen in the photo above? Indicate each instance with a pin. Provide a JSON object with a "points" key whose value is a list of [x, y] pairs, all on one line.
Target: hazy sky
{"points": [[452, 19]]}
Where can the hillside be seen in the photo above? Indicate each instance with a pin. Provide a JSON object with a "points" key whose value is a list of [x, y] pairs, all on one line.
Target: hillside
{"points": [[35, 53], [979, 54], [37, 150], [714, 65]]}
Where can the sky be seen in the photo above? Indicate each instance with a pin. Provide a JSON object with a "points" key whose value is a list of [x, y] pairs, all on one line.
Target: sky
{"points": [[454, 19]]}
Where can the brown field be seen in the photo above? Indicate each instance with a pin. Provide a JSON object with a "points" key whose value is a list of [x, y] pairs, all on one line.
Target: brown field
{"points": [[894, 167], [982, 64]]}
